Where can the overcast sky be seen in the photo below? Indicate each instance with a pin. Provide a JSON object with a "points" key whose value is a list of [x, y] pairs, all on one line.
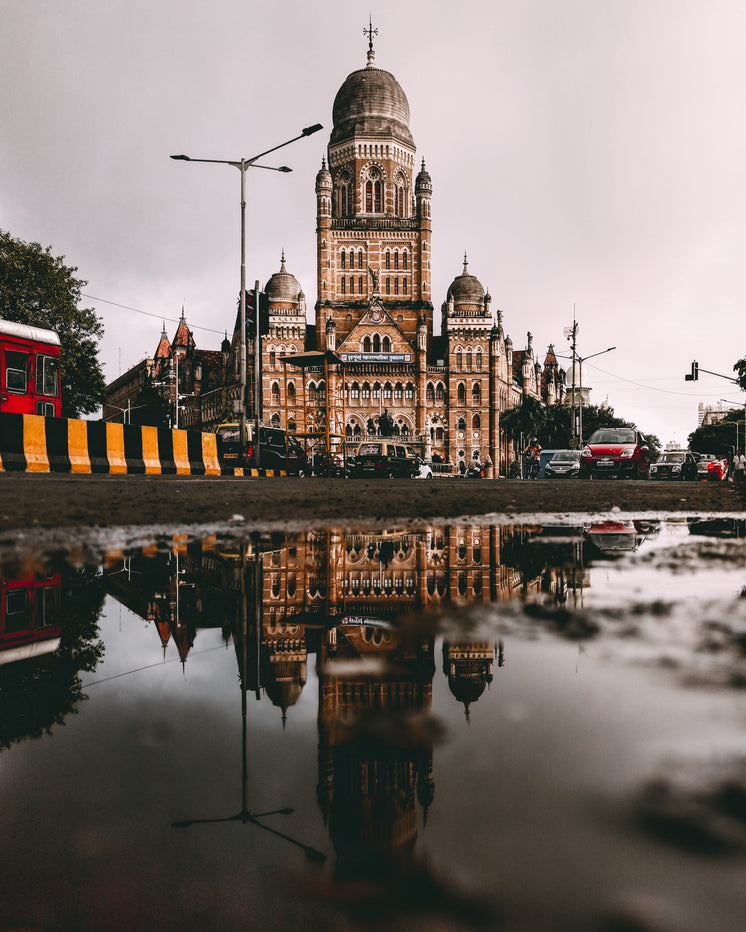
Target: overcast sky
{"points": [[584, 153]]}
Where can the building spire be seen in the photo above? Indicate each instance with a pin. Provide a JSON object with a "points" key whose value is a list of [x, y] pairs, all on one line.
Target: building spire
{"points": [[282, 261], [466, 264], [370, 32]]}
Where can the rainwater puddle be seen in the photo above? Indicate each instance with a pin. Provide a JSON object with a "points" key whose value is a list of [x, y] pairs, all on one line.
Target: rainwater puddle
{"points": [[468, 726]]}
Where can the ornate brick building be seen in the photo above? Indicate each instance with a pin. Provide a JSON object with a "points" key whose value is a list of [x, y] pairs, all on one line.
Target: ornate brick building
{"points": [[374, 308]]}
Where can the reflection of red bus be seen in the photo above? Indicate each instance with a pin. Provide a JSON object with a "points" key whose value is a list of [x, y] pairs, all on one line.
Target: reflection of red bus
{"points": [[29, 617], [29, 370]]}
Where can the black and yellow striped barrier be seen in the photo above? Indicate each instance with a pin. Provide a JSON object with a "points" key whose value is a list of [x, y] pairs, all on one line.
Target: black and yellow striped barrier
{"points": [[29, 443]]}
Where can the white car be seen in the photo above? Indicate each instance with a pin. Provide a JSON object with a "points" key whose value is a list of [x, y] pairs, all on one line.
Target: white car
{"points": [[424, 471]]}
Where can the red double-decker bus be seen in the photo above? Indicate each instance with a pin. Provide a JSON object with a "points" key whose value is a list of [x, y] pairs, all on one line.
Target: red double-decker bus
{"points": [[29, 617], [29, 370]]}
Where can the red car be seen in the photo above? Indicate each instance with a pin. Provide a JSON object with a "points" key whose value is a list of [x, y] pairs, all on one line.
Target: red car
{"points": [[615, 452]]}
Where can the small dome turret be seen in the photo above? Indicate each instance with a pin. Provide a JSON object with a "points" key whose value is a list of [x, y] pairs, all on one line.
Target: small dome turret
{"points": [[423, 184], [466, 289], [283, 286], [323, 179]]}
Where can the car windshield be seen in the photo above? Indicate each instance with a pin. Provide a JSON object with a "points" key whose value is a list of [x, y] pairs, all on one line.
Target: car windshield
{"points": [[613, 436], [229, 434], [566, 456], [672, 458], [369, 449]]}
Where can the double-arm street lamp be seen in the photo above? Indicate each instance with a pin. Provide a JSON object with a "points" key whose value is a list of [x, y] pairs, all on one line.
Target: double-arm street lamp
{"points": [[577, 399], [242, 165]]}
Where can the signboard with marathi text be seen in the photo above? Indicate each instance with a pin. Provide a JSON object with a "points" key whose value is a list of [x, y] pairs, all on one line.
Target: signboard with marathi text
{"points": [[376, 357]]}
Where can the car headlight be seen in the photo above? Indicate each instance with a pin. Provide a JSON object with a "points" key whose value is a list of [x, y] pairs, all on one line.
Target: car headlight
{"points": [[627, 452], [676, 469], [653, 469], [587, 453]]}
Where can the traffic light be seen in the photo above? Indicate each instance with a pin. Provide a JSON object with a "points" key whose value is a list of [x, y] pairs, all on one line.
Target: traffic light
{"points": [[251, 314], [694, 374]]}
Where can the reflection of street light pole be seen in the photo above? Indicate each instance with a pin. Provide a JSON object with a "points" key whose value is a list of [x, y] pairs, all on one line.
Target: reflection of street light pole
{"points": [[242, 165]]}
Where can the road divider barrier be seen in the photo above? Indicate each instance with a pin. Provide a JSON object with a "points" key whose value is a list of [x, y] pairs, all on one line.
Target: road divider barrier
{"points": [[30, 443]]}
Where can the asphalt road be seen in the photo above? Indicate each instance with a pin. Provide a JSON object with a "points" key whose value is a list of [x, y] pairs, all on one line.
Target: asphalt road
{"points": [[30, 500]]}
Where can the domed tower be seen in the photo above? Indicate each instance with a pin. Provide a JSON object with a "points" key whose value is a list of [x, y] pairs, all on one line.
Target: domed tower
{"points": [[373, 216], [286, 337], [467, 329]]}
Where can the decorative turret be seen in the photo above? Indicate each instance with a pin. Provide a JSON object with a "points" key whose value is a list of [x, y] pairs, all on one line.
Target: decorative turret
{"points": [[331, 334]]}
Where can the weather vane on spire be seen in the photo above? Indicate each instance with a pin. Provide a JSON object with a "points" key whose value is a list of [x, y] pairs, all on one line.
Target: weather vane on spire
{"points": [[370, 32]]}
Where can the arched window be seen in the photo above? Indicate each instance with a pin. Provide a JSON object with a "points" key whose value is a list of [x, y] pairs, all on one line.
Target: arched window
{"points": [[398, 392], [404, 285], [387, 391], [272, 358], [396, 259], [312, 391], [439, 393], [344, 199], [275, 422], [360, 259], [321, 392], [355, 392], [388, 259], [476, 421], [343, 257], [366, 391], [366, 344], [360, 283], [404, 259], [376, 343], [409, 391], [352, 284], [430, 392], [476, 393], [388, 285], [461, 425], [376, 390], [275, 393], [461, 393], [373, 194], [352, 259], [344, 285], [386, 345], [291, 393], [468, 359], [459, 354], [478, 359]]}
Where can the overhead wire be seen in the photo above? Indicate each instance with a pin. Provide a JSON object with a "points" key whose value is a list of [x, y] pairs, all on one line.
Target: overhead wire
{"points": [[137, 310]]}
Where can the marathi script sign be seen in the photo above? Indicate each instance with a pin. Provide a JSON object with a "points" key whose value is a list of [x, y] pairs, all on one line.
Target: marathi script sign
{"points": [[376, 357]]}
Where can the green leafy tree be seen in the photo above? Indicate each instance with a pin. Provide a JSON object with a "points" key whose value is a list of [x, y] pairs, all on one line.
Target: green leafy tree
{"points": [[740, 369], [38, 289], [719, 438], [527, 418]]}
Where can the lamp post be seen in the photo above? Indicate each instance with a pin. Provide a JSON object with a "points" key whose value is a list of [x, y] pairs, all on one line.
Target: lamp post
{"points": [[577, 428], [242, 164]]}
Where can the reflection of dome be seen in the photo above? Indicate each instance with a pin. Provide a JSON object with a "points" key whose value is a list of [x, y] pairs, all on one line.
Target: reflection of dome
{"points": [[283, 286], [371, 103], [466, 289], [467, 688]]}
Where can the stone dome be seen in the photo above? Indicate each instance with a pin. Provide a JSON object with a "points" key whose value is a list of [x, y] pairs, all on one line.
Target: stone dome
{"points": [[283, 286], [466, 289], [371, 102]]}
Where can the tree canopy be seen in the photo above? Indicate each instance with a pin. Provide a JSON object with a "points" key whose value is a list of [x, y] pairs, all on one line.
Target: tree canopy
{"points": [[38, 289], [740, 369], [719, 438]]}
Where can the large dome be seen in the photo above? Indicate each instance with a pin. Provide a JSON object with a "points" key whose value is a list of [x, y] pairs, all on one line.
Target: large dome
{"points": [[283, 286], [371, 102], [466, 289]]}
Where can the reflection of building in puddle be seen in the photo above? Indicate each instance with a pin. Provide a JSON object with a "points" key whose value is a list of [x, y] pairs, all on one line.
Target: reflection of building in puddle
{"points": [[312, 585], [469, 666]]}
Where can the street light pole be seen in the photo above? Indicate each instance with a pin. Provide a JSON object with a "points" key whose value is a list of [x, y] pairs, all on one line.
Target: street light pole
{"points": [[582, 359], [242, 165]]}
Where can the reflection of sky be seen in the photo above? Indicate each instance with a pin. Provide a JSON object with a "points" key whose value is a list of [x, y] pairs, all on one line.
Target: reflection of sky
{"points": [[529, 792]]}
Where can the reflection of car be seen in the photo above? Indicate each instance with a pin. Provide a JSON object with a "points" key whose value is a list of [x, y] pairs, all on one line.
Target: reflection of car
{"points": [[676, 464], [615, 451], [382, 458], [564, 464], [612, 537]]}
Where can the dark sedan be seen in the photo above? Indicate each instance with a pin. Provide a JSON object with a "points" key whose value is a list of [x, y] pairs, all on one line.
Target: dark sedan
{"points": [[564, 464], [676, 464]]}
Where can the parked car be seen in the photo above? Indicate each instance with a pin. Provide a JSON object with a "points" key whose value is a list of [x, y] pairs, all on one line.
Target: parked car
{"points": [[424, 469], [703, 462], [674, 464], [382, 458], [318, 465], [717, 470], [620, 452], [564, 464], [277, 451]]}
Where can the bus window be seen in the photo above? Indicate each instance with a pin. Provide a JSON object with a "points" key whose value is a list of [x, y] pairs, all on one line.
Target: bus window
{"points": [[17, 614], [16, 372], [47, 375]]}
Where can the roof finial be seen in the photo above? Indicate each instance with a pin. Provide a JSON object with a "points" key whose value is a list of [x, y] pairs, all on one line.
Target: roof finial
{"points": [[466, 262], [370, 32], [282, 262]]}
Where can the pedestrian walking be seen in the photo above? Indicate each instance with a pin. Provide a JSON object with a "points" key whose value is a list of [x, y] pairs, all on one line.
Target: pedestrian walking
{"points": [[739, 467]]}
